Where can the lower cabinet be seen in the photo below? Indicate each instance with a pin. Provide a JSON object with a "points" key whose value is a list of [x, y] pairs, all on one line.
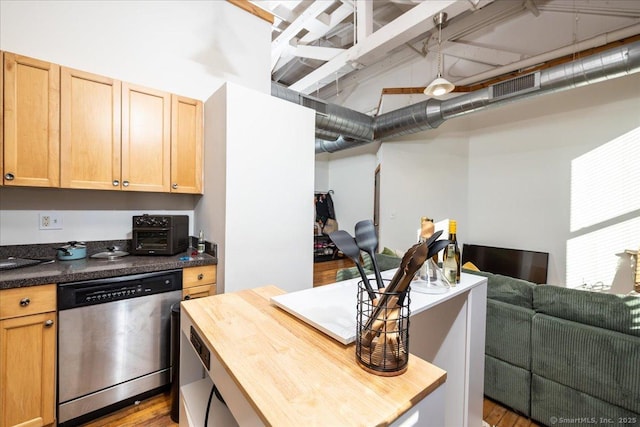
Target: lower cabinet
{"points": [[27, 356], [199, 282]]}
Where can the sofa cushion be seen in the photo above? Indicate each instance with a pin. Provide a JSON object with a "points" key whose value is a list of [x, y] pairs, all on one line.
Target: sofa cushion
{"points": [[602, 363], [508, 333], [616, 312], [348, 273], [385, 262], [507, 289], [556, 404], [507, 384]]}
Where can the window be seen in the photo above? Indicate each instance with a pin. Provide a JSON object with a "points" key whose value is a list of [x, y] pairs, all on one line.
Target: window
{"points": [[605, 209]]}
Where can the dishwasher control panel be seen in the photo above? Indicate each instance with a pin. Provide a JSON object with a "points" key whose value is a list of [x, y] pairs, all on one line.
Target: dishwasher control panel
{"points": [[101, 291]]}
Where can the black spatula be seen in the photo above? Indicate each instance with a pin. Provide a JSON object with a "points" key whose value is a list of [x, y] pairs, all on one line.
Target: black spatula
{"points": [[347, 244], [367, 240]]}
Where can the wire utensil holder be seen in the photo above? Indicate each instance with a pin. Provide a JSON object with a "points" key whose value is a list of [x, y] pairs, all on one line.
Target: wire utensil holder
{"points": [[387, 353]]}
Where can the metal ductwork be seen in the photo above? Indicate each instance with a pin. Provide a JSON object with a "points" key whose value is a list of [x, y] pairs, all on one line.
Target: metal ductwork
{"points": [[340, 143], [333, 121], [339, 128]]}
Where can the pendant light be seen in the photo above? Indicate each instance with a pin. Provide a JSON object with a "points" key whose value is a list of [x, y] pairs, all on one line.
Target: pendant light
{"points": [[440, 85]]}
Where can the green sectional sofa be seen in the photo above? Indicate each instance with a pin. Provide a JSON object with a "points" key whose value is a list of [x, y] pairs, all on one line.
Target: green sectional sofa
{"points": [[560, 355]]}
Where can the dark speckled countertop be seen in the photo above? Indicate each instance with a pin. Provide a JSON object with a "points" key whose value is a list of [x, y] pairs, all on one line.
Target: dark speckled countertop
{"points": [[89, 268]]}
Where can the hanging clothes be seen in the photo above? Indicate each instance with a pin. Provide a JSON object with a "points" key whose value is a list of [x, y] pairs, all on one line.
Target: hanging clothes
{"points": [[324, 208]]}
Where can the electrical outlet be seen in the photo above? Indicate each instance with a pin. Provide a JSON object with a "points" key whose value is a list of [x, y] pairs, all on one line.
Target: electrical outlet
{"points": [[50, 221]]}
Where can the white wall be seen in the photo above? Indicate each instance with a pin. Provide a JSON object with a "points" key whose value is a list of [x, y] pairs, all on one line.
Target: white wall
{"points": [[321, 173], [520, 165], [504, 173], [352, 181], [261, 154], [86, 215], [423, 175], [185, 47]]}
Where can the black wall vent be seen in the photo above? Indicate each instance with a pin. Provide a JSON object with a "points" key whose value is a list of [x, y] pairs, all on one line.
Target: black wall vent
{"points": [[517, 86]]}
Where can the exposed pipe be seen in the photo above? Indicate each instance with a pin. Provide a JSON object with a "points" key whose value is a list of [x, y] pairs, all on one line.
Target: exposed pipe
{"points": [[591, 43], [332, 121], [339, 128]]}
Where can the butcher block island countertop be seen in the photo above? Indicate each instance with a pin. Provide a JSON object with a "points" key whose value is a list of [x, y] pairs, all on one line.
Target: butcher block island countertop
{"points": [[293, 375]]}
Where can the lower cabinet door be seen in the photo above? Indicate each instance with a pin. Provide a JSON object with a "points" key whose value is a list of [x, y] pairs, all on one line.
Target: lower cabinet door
{"points": [[196, 292], [27, 370]]}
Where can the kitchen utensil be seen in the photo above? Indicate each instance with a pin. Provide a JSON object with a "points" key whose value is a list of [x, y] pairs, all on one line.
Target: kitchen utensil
{"points": [[367, 240], [403, 265], [72, 250], [110, 254], [433, 237], [393, 294], [436, 247], [347, 244]]}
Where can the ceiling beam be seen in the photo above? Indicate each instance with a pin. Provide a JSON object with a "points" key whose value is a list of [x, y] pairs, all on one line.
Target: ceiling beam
{"points": [[317, 28], [364, 19], [399, 31], [317, 52], [283, 40]]}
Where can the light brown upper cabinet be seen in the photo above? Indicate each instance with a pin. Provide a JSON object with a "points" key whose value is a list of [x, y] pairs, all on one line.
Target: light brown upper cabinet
{"points": [[31, 151], [146, 139], [89, 131], [186, 145], [61, 127], [2, 119]]}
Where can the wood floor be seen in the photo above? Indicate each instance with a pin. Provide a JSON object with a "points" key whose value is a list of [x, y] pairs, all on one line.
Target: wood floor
{"points": [[325, 272], [155, 412], [152, 412]]}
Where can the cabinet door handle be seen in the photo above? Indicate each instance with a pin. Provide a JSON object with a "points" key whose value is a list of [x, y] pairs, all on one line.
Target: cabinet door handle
{"points": [[9, 176], [200, 276], [125, 183], [174, 186], [25, 302], [187, 297], [48, 323], [116, 182]]}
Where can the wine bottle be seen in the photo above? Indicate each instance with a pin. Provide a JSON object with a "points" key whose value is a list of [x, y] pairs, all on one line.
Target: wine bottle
{"points": [[452, 250], [449, 265]]}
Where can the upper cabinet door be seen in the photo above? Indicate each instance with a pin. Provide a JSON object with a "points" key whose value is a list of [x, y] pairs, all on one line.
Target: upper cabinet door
{"points": [[186, 145], [146, 139], [2, 120], [31, 122], [90, 131]]}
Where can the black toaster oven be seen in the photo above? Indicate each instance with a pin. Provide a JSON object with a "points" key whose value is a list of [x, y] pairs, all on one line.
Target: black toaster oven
{"points": [[160, 234]]}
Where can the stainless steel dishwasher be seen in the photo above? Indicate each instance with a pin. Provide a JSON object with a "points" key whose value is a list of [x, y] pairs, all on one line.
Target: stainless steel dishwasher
{"points": [[113, 341]]}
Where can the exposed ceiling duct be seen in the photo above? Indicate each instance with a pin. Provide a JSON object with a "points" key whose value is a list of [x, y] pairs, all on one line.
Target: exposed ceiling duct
{"points": [[339, 128]]}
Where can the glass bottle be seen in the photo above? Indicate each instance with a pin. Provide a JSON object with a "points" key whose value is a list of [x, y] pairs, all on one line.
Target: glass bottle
{"points": [[452, 253]]}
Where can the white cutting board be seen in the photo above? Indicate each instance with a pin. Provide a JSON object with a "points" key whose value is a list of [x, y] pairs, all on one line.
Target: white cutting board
{"points": [[330, 308]]}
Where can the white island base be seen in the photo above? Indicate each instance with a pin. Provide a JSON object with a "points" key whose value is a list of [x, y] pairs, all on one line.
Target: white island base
{"points": [[445, 329], [273, 369]]}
